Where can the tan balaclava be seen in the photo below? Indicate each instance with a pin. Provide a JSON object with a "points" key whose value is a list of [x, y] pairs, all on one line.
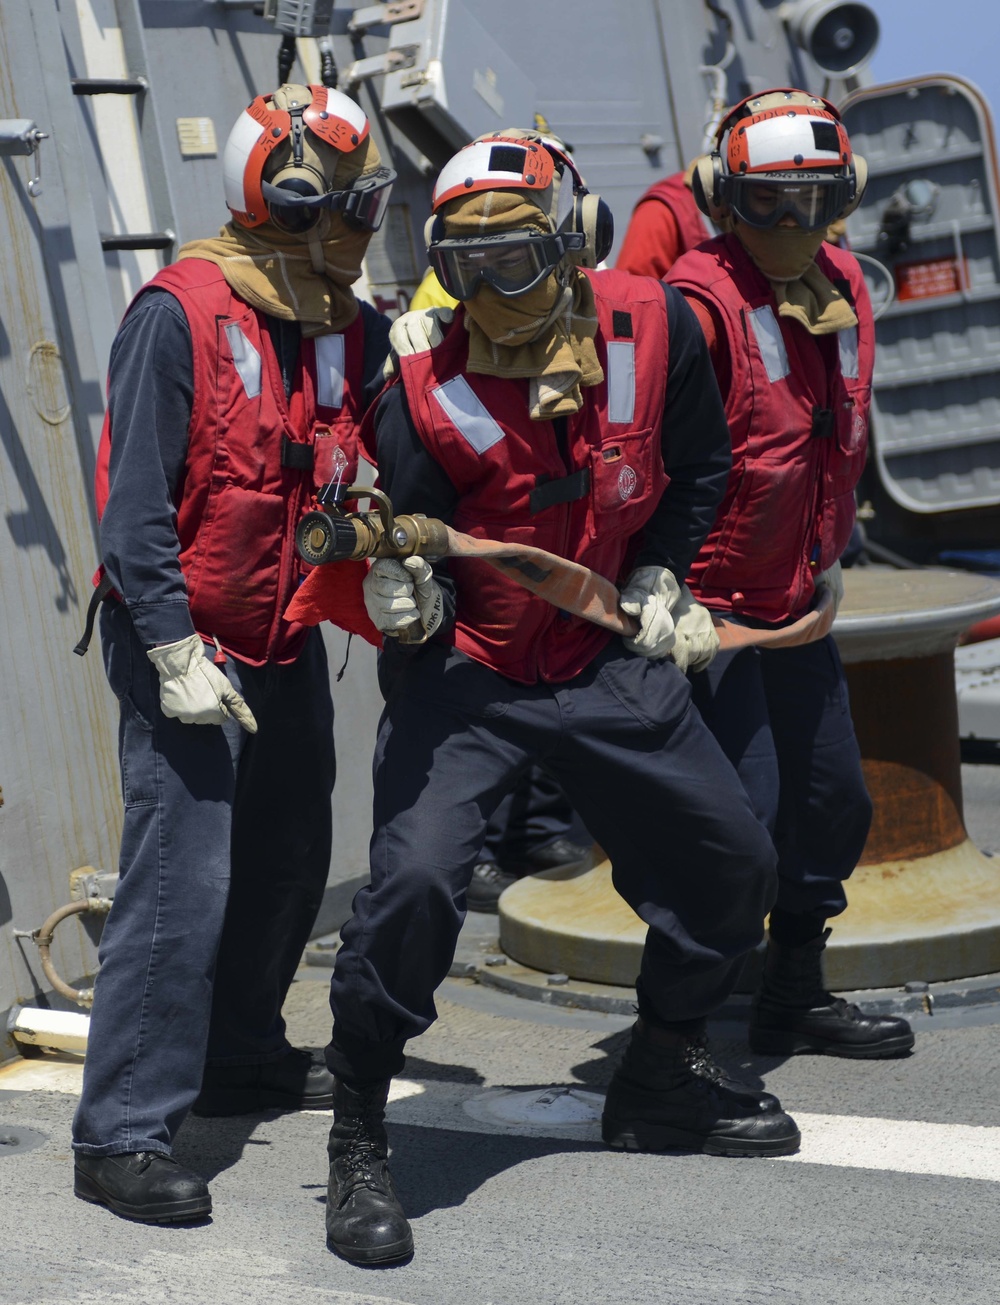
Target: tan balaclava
{"points": [[786, 255], [546, 334], [302, 277]]}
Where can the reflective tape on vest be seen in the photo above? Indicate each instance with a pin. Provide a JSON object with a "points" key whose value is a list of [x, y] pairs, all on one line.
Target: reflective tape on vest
{"points": [[246, 358], [848, 341], [330, 371], [621, 380], [468, 414], [770, 342]]}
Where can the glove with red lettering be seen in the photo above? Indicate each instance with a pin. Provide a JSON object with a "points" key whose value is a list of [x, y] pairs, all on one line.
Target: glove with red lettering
{"points": [[403, 593], [650, 594]]}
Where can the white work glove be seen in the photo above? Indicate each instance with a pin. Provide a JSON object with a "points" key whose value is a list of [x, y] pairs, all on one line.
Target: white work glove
{"points": [[416, 332], [650, 594], [399, 594], [697, 638], [193, 690], [832, 579]]}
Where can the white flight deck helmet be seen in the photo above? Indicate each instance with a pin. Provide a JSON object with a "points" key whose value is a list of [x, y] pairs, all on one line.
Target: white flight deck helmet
{"points": [[581, 228], [281, 161], [781, 153]]}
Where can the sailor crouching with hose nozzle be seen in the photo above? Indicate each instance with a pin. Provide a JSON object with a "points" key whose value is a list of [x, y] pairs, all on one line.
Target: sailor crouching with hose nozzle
{"points": [[576, 411]]}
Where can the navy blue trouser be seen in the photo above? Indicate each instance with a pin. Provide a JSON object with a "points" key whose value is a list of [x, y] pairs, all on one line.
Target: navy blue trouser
{"points": [[783, 719], [533, 815], [224, 859], [627, 747]]}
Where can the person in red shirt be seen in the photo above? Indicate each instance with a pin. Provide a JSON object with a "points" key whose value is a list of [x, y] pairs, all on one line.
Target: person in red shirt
{"points": [[789, 328], [665, 224]]}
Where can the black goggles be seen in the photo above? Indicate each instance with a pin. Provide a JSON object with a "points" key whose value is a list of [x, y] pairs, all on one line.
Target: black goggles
{"points": [[364, 205], [813, 201], [512, 262]]}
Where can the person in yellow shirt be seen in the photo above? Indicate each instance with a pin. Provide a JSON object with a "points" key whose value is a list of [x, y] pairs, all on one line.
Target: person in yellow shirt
{"points": [[430, 293]]}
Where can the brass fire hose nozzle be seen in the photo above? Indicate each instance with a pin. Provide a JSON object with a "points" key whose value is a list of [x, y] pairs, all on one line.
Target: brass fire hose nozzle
{"points": [[337, 536]]}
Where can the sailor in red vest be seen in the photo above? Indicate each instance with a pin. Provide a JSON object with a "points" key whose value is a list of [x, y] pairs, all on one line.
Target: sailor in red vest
{"points": [[576, 411], [237, 382], [665, 223], [789, 326]]}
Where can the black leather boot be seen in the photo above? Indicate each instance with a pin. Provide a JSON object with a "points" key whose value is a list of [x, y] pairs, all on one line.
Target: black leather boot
{"points": [[792, 1012], [143, 1185], [664, 1096], [300, 1080], [364, 1221], [703, 1063], [487, 883]]}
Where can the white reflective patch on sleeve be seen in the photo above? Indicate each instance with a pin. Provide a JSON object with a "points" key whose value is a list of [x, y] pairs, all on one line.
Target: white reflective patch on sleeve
{"points": [[621, 380], [770, 342], [330, 371], [848, 340], [246, 358], [468, 414]]}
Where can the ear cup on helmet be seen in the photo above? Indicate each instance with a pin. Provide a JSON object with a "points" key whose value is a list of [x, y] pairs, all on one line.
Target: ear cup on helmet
{"points": [[860, 166], [706, 187], [433, 229], [594, 218]]}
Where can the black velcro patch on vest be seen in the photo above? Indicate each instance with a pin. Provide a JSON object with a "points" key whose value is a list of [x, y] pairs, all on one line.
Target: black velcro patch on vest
{"points": [[297, 456], [621, 325], [822, 424], [507, 158], [550, 493]]}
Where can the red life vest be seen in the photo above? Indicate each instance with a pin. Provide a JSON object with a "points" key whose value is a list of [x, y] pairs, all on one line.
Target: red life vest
{"points": [[254, 460], [798, 415], [586, 503], [676, 194]]}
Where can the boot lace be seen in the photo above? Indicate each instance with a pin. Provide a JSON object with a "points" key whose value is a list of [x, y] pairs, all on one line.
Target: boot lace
{"points": [[361, 1165], [700, 1061], [362, 1160]]}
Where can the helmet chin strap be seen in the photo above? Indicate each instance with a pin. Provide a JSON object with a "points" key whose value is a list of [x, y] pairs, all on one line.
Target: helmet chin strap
{"points": [[316, 249]]}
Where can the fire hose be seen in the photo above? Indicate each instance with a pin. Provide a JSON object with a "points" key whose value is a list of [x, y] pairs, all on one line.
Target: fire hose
{"points": [[330, 534]]}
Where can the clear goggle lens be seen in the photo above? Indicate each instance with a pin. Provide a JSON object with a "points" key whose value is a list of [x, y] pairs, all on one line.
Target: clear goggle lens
{"points": [[364, 205], [512, 263], [762, 202]]}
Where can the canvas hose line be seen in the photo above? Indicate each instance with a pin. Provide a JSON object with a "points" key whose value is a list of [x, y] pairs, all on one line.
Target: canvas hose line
{"points": [[567, 585]]}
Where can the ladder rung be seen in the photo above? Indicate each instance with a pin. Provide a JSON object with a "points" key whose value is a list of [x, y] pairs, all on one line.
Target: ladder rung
{"points": [[142, 240], [109, 85]]}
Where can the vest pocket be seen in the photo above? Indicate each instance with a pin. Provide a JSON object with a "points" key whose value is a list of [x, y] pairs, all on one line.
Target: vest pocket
{"points": [[239, 568], [761, 543], [622, 483]]}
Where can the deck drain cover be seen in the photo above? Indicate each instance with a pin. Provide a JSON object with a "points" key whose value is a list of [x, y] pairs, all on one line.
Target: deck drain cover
{"points": [[13, 1140], [559, 1107]]}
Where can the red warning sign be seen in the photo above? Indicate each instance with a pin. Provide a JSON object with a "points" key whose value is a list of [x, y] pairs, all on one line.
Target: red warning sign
{"points": [[931, 278]]}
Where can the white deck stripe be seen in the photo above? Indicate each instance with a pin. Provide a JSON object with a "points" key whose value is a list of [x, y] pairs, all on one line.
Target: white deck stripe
{"points": [[903, 1146]]}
